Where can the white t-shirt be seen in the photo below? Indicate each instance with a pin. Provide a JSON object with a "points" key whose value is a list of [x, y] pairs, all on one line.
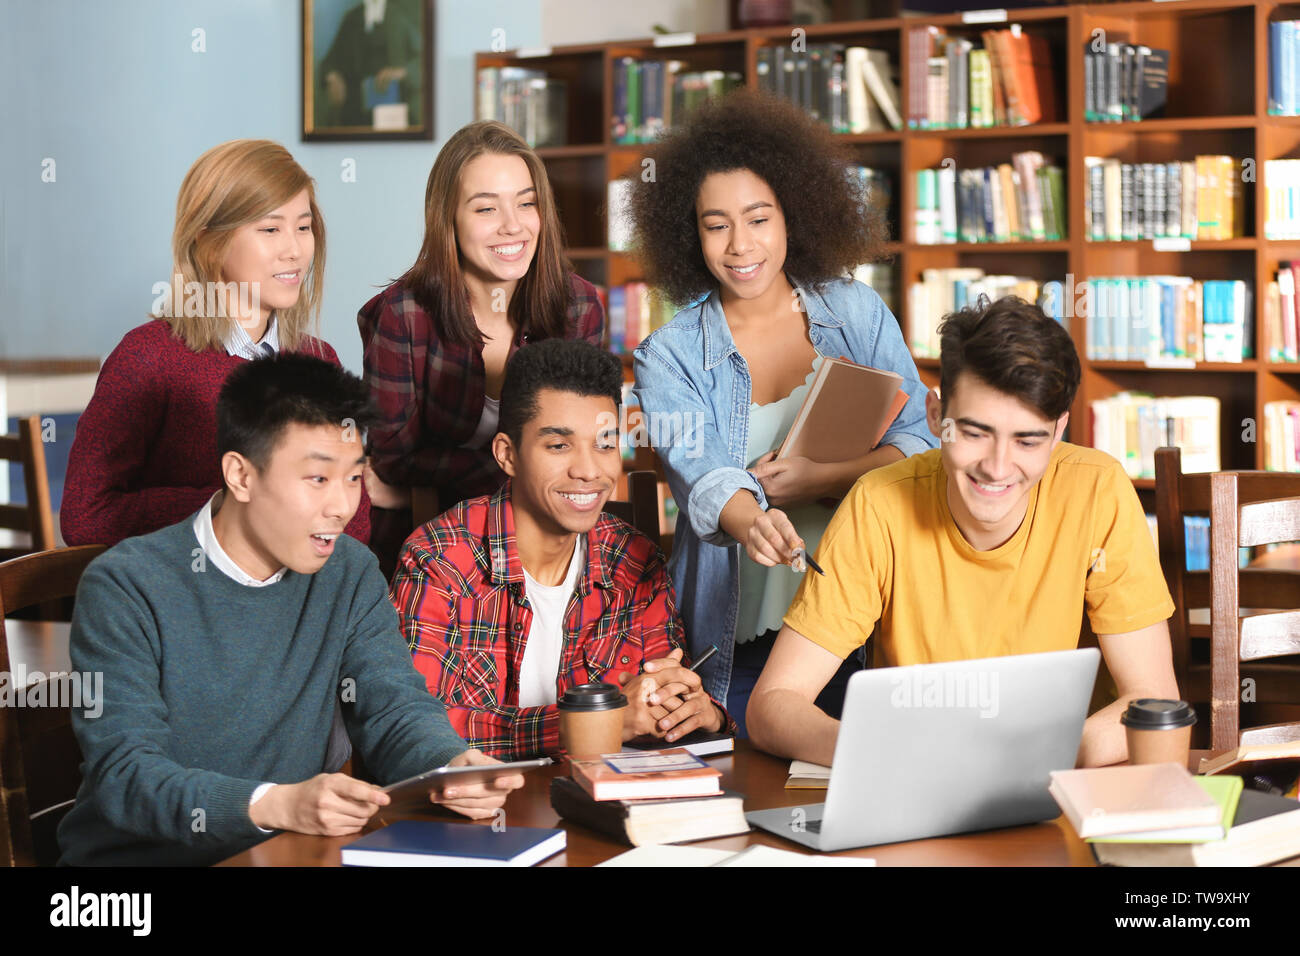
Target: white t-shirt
{"points": [[541, 663]]}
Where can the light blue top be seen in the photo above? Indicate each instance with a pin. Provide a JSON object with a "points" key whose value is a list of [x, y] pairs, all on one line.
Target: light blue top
{"points": [[766, 592], [694, 386]]}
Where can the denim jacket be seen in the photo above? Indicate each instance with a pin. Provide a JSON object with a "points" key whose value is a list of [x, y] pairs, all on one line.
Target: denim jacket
{"points": [[694, 389]]}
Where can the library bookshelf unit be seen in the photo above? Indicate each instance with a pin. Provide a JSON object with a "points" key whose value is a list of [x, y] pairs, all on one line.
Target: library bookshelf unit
{"points": [[1217, 104]]}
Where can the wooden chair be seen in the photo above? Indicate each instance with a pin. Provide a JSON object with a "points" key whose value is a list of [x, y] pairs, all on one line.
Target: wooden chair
{"points": [[1209, 648], [29, 528], [39, 757], [641, 510]]}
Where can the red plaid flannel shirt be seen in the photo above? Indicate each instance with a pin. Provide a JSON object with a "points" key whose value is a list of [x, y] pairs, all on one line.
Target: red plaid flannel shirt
{"points": [[430, 393], [459, 591]]}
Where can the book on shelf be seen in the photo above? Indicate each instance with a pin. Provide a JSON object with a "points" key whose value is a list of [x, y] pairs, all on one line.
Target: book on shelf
{"points": [[1130, 426], [954, 84], [1265, 829], [532, 104], [1199, 199], [642, 822], [942, 291], [848, 89], [1156, 319], [1282, 199], [437, 843], [635, 310], [1108, 801], [618, 223], [1283, 56], [1019, 201], [1282, 436], [880, 276], [1124, 82], [649, 95]]}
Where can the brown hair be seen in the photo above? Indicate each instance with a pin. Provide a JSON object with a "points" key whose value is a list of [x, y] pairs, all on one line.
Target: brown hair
{"points": [[229, 186], [830, 227], [1013, 347], [541, 299]]}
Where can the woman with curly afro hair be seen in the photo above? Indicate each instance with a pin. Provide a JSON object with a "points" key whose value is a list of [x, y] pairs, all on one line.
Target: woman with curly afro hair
{"points": [[750, 212]]}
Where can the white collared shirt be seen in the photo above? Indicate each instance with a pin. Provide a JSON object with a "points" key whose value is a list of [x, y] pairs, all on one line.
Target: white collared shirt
{"points": [[203, 530], [241, 345], [374, 13]]}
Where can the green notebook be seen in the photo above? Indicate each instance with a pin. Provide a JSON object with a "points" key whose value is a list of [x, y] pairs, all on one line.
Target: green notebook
{"points": [[1226, 792]]}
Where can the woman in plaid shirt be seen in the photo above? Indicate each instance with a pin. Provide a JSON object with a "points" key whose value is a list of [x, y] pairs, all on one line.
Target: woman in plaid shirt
{"points": [[490, 277]]}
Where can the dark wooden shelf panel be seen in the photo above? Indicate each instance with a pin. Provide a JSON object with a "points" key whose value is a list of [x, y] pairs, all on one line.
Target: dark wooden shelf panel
{"points": [[1243, 243], [994, 132], [1101, 365], [1174, 124], [578, 151]]}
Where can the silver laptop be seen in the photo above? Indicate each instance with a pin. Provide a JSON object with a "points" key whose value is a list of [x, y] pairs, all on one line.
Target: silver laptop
{"points": [[934, 749]]}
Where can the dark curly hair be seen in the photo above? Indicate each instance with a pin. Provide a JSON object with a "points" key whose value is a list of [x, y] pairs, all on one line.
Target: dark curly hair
{"points": [[1012, 346], [829, 225], [567, 365]]}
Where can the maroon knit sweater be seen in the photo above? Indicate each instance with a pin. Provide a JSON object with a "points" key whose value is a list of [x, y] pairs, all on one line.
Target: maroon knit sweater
{"points": [[145, 454]]}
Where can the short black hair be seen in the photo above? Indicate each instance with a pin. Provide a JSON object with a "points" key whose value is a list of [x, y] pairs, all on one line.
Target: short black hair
{"points": [[263, 397], [566, 365], [1012, 346]]}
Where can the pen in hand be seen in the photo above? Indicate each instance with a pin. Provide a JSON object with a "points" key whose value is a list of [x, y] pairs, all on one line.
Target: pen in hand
{"points": [[713, 649]]}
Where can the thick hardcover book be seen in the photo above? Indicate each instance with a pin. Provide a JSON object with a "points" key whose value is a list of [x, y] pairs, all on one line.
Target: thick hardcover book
{"points": [[637, 776], [1154, 80], [436, 843], [643, 822]]}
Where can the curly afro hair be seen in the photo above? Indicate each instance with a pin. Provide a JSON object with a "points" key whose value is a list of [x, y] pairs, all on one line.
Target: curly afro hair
{"points": [[830, 227]]}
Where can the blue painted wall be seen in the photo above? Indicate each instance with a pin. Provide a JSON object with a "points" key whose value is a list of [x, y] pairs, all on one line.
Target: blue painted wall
{"points": [[113, 92]]}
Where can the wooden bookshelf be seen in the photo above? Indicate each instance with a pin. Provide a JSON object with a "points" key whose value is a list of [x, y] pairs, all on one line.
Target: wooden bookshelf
{"points": [[1217, 103]]}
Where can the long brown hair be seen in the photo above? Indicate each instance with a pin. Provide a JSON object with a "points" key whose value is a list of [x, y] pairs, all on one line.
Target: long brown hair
{"points": [[229, 186], [541, 299]]}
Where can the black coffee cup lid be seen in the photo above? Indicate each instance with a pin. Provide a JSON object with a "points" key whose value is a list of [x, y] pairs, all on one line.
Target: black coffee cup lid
{"points": [[592, 697], [1149, 713]]}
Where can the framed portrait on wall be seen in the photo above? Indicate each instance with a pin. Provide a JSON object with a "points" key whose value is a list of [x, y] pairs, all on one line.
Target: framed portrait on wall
{"points": [[367, 69]]}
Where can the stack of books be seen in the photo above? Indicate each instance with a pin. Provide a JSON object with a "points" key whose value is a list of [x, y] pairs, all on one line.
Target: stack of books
{"points": [[1123, 82], [954, 84], [649, 95], [942, 291], [1160, 815], [635, 310], [849, 89], [528, 101], [1130, 426], [1168, 319], [1282, 199], [1019, 201], [1282, 436], [646, 798], [1283, 57], [1202, 199]]}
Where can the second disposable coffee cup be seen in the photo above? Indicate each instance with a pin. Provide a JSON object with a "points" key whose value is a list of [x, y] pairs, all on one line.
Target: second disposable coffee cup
{"points": [[1158, 731], [591, 720]]}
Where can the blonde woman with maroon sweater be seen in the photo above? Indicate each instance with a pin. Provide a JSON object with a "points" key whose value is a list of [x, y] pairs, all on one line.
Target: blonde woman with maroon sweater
{"points": [[249, 260]]}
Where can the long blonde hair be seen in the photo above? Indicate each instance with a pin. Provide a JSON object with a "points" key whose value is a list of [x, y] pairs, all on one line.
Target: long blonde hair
{"points": [[229, 186]]}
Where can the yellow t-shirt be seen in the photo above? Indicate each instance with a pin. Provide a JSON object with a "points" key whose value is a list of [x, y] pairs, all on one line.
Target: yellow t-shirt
{"points": [[893, 554]]}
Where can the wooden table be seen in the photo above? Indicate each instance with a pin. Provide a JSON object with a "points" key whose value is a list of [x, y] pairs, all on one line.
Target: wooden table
{"points": [[761, 779]]}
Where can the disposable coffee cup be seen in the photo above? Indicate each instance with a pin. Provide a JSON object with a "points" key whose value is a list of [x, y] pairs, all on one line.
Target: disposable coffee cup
{"points": [[1158, 731], [591, 720]]}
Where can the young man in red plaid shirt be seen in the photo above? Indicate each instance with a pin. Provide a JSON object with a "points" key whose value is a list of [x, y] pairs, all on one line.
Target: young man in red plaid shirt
{"points": [[509, 600]]}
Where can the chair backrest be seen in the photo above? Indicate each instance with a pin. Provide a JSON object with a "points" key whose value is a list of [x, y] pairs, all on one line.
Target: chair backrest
{"points": [[1177, 497], [641, 510], [39, 757], [1248, 509], [35, 518]]}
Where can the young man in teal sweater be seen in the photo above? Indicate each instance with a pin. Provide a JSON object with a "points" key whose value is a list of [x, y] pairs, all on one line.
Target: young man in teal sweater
{"points": [[228, 641]]}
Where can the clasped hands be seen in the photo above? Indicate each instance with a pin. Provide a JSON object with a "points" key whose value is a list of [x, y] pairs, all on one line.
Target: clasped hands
{"points": [[667, 700]]}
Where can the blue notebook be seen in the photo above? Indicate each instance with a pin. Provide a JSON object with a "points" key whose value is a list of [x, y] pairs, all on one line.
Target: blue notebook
{"points": [[435, 843]]}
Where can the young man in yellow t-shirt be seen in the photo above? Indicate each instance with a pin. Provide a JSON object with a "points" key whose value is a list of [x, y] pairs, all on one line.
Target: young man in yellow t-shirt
{"points": [[992, 544]]}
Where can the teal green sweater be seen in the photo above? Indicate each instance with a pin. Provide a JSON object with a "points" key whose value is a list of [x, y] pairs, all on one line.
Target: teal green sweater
{"points": [[211, 688]]}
